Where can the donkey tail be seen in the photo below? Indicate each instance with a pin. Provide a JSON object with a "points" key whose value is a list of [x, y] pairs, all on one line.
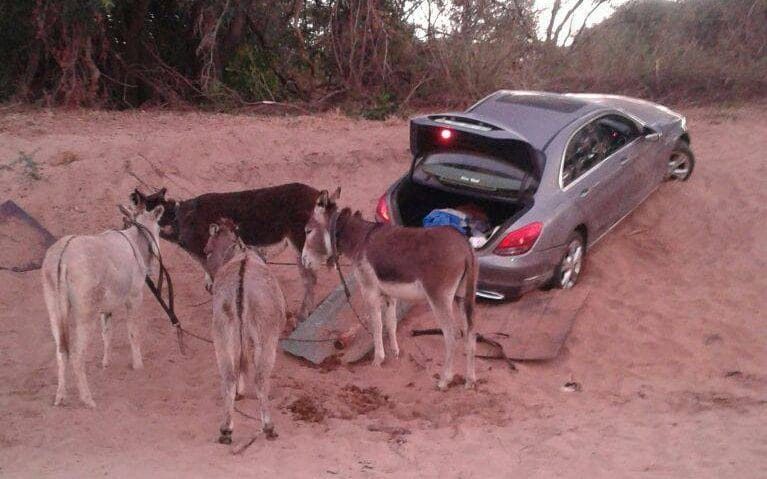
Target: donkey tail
{"points": [[58, 301], [62, 296], [470, 278]]}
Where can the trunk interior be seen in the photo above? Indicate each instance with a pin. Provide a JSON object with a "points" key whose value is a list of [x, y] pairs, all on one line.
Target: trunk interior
{"points": [[414, 201]]}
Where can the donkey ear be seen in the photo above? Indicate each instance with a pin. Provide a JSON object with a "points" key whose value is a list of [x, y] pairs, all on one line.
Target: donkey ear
{"points": [[126, 211], [161, 193], [336, 194], [137, 198], [157, 212], [323, 200], [213, 229]]}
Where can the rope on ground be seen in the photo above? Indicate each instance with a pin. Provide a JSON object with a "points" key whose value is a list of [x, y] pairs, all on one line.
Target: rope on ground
{"points": [[247, 444], [189, 333]]}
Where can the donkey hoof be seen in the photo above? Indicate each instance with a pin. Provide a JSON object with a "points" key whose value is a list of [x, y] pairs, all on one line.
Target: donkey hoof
{"points": [[270, 433], [238, 397], [58, 401], [225, 437], [471, 384], [378, 360], [89, 402]]}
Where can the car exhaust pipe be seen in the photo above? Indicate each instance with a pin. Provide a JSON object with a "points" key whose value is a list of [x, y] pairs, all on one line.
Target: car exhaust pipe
{"points": [[493, 295]]}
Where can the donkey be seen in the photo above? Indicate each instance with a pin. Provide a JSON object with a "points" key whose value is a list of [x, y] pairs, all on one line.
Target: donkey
{"points": [[436, 265], [267, 217], [89, 276], [248, 317]]}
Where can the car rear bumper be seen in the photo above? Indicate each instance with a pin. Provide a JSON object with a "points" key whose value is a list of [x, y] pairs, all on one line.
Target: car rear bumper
{"points": [[502, 277]]}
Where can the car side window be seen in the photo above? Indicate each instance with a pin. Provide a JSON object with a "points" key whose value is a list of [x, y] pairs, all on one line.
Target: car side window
{"points": [[584, 152], [617, 131], [595, 142]]}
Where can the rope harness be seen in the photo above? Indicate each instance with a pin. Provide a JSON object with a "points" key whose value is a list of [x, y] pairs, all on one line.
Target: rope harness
{"points": [[169, 308], [154, 251], [335, 255]]}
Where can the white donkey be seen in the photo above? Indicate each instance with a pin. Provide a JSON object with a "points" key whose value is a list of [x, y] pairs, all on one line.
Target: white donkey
{"points": [[89, 276], [248, 317]]}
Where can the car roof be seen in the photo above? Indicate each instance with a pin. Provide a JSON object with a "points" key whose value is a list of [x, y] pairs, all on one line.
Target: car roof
{"points": [[536, 116]]}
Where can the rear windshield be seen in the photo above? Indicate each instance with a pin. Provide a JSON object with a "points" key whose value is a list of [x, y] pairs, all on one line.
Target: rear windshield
{"points": [[470, 170], [560, 104]]}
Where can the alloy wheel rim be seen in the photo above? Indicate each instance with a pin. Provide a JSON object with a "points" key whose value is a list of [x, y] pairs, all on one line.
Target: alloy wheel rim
{"points": [[571, 265], [679, 166]]}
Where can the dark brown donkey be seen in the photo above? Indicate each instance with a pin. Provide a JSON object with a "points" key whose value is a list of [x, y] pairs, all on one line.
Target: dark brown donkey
{"points": [[266, 217], [435, 265]]}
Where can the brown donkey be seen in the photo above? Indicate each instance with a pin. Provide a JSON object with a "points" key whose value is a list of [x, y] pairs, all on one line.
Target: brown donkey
{"points": [[248, 317], [267, 217], [436, 265]]}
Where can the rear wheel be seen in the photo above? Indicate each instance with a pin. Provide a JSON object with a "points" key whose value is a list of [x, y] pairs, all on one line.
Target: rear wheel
{"points": [[569, 269], [681, 163]]}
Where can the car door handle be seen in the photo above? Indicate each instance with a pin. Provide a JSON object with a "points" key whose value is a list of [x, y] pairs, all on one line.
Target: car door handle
{"points": [[624, 160], [585, 192]]}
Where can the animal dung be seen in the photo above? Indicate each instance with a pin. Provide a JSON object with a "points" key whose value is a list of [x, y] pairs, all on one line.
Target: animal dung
{"points": [[571, 387]]}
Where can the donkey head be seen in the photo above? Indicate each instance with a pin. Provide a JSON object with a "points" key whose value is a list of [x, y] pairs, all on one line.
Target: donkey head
{"points": [[319, 246], [147, 219], [223, 241], [168, 223]]}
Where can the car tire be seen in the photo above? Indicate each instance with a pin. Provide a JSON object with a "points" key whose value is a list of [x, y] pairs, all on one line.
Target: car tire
{"points": [[570, 266], [681, 162]]}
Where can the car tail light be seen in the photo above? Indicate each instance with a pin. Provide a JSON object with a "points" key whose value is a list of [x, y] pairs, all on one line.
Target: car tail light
{"points": [[520, 240], [382, 210], [445, 134]]}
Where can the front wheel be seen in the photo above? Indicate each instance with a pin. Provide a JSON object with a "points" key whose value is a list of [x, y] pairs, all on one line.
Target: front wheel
{"points": [[569, 269], [681, 163]]}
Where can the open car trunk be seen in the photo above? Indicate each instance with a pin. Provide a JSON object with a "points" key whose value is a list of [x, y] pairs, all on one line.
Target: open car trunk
{"points": [[414, 201], [468, 174]]}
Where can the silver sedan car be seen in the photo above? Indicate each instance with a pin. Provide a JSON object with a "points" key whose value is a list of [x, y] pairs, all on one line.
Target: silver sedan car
{"points": [[535, 179]]}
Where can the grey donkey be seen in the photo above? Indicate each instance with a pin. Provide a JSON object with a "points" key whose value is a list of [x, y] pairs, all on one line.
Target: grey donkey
{"points": [[85, 277], [248, 317]]}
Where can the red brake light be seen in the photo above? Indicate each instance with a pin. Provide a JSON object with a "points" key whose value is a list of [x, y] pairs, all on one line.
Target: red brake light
{"points": [[382, 210], [520, 240], [445, 134]]}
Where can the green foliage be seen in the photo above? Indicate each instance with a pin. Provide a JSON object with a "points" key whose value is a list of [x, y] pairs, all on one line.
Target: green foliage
{"points": [[250, 72], [384, 105], [369, 54], [15, 37]]}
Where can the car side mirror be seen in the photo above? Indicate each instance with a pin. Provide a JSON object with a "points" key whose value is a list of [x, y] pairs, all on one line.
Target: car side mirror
{"points": [[651, 135]]}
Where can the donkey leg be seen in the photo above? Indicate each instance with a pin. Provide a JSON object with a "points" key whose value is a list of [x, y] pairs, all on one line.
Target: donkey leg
{"points": [[243, 374], [470, 337], [60, 338], [309, 280], [471, 351], [226, 344], [443, 311], [106, 336], [390, 321], [61, 362], [134, 335], [373, 301], [263, 358], [83, 326]]}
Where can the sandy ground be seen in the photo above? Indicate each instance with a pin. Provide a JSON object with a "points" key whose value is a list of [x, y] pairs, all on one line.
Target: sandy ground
{"points": [[670, 347]]}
